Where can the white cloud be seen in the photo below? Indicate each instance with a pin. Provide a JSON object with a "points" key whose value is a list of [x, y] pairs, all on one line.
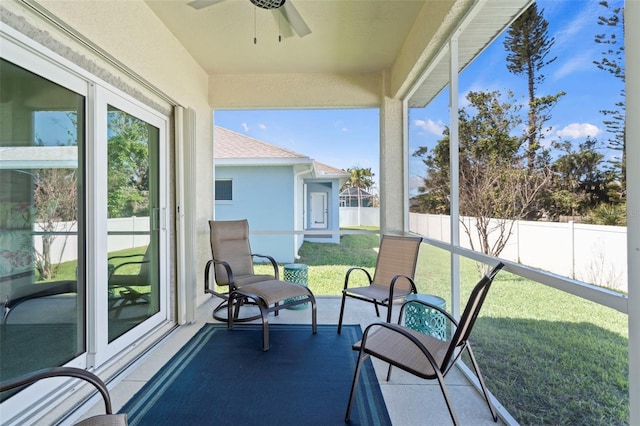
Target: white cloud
{"points": [[245, 127], [430, 126], [262, 126], [577, 26], [582, 61], [578, 130]]}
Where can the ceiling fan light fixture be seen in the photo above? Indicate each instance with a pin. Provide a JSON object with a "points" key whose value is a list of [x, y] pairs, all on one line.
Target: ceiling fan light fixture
{"points": [[268, 4]]}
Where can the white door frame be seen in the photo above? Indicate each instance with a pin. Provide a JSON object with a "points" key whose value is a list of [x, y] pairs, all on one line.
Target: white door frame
{"points": [[322, 196]]}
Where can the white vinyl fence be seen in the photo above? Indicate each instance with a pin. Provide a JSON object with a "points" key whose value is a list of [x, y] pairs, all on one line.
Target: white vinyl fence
{"points": [[594, 254], [135, 233], [359, 216]]}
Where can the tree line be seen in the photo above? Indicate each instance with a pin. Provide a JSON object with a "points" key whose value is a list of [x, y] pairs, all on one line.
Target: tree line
{"points": [[507, 175]]}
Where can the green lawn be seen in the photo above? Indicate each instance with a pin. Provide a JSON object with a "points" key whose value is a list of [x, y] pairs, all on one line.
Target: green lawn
{"points": [[549, 357]]}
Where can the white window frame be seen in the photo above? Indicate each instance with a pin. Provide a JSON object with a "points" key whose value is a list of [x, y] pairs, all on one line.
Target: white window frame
{"points": [[24, 52]]}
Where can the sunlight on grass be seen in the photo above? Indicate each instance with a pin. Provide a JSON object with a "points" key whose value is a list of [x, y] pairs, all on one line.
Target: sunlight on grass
{"points": [[548, 356]]}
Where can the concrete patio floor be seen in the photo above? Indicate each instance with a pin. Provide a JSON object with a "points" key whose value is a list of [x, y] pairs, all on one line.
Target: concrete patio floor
{"points": [[409, 400]]}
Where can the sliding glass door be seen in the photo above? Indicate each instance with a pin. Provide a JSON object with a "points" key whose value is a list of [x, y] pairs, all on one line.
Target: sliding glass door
{"points": [[42, 259], [83, 192], [132, 217]]}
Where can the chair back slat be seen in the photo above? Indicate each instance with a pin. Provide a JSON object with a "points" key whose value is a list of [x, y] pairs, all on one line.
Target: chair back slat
{"points": [[230, 243], [470, 314], [397, 256]]}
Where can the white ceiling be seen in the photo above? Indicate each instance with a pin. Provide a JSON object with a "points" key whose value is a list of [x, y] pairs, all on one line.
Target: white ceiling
{"points": [[346, 35]]}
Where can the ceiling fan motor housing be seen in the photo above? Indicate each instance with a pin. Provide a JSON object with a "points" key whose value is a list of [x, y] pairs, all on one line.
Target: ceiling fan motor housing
{"points": [[268, 4]]}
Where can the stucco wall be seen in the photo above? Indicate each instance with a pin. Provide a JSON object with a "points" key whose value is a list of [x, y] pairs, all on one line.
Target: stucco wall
{"points": [[263, 196], [131, 34]]}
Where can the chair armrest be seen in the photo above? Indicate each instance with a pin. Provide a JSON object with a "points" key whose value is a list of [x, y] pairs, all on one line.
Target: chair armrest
{"points": [[113, 271], [355, 268], [125, 256], [61, 372], [274, 264], [395, 278], [207, 275]]}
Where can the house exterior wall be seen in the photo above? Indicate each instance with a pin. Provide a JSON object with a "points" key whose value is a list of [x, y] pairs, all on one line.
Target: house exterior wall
{"points": [[332, 189], [258, 197]]}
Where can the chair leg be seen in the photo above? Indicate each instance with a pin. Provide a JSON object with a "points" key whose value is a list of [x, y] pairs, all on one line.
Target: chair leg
{"points": [[445, 393], [344, 298], [375, 303], [389, 306], [354, 384], [265, 328], [230, 314], [481, 380], [314, 315]]}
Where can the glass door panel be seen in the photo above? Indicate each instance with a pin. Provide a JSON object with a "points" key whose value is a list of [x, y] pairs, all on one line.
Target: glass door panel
{"points": [[42, 267], [133, 291]]}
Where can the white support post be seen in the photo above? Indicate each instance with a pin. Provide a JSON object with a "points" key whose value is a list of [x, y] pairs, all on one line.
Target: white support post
{"points": [[632, 90], [454, 164]]}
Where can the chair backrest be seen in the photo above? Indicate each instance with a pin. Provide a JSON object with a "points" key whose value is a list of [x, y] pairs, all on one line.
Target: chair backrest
{"points": [[145, 270], [397, 256], [470, 314], [230, 243]]}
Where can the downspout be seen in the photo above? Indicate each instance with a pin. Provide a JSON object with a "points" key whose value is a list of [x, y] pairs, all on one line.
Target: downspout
{"points": [[296, 225]]}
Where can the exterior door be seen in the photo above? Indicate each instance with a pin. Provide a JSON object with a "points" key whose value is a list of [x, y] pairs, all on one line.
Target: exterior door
{"points": [[319, 210]]}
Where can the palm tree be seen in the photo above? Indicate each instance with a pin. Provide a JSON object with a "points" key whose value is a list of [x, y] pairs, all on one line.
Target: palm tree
{"points": [[361, 179]]}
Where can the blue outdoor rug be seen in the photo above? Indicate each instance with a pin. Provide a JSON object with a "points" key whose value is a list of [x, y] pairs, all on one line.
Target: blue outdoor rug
{"points": [[222, 377]]}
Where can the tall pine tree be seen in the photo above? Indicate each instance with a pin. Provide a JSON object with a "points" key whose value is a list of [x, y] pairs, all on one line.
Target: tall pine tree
{"points": [[528, 44], [612, 41]]}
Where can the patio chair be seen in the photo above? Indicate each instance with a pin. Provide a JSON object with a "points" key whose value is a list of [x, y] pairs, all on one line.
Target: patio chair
{"points": [[122, 293], [421, 354], [34, 291], [108, 419], [393, 276], [232, 263], [233, 267]]}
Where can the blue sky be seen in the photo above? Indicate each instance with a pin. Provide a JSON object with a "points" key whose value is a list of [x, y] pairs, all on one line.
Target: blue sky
{"points": [[350, 137], [341, 138]]}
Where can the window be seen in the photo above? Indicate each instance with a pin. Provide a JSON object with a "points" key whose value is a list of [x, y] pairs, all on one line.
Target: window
{"points": [[76, 189], [224, 190], [41, 219]]}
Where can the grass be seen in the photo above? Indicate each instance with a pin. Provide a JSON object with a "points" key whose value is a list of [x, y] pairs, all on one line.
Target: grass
{"points": [[548, 357]]}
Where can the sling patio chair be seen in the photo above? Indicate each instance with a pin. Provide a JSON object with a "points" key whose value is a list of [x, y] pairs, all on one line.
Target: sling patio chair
{"points": [[393, 276], [127, 290], [108, 419], [232, 263], [421, 354], [34, 291], [233, 267]]}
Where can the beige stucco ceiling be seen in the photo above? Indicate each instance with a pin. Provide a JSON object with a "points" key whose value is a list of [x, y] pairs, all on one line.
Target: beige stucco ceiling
{"points": [[384, 43], [346, 36]]}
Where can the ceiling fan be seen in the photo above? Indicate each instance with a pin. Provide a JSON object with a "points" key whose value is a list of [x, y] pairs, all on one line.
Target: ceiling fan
{"points": [[286, 8]]}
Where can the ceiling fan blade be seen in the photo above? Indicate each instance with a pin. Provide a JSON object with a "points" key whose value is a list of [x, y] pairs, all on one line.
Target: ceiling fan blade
{"points": [[285, 28], [291, 14], [201, 4]]}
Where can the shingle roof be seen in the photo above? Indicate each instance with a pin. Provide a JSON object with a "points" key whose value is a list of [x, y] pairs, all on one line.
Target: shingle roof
{"points": [[229, 144], [326, 170]]}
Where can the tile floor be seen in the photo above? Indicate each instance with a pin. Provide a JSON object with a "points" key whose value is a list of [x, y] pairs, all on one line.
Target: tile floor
{"points": [[410, 400]]}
